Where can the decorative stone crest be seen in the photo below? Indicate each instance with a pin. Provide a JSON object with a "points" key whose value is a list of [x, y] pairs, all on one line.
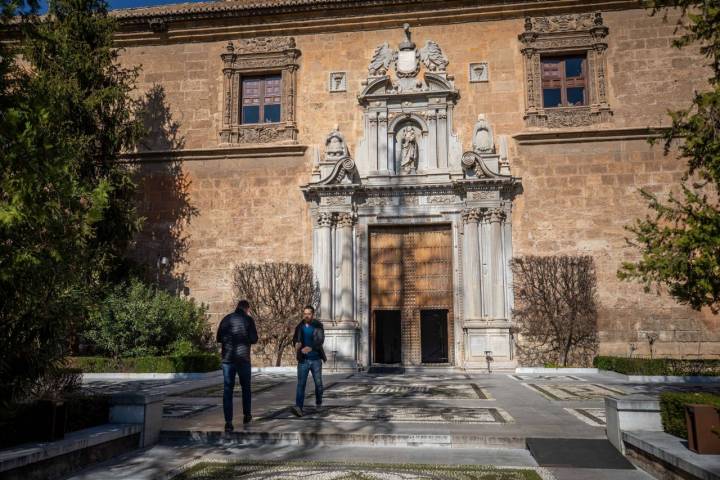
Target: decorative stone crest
{"points": [[483, 136], [407, 59], [383, 58], [479, 72], [431, 55], [337, 82]]}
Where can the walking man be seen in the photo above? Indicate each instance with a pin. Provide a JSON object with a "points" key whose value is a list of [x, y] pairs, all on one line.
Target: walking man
{"points": [[236, 333], [308, 340]]}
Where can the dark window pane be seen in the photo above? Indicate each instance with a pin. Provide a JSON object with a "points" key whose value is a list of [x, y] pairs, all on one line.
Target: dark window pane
{"points": [[552, 97], [573, 67], [251, 114], [272, 113], [576, 96]]}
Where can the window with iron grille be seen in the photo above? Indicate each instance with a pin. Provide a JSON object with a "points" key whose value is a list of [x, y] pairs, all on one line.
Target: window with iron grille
{"points": [[564, 81], [261, 99]]}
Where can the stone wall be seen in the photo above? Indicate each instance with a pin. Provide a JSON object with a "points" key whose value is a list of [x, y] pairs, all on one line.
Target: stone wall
{"points": [[577, 196], [244, 210]]}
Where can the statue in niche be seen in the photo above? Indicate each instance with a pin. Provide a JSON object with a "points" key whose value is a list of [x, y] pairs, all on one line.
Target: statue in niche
{"points": [[409, 150]]}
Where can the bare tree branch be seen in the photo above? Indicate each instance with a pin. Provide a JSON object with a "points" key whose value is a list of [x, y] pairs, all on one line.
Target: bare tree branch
{"points": [[556, 309], [277, 293]]}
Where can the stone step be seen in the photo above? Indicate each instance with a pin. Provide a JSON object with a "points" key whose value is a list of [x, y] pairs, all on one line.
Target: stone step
{"points": [[452, 440]]}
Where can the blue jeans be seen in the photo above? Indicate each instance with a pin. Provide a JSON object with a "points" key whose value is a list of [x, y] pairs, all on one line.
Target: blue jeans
{"points": [[242, 370], [304, 367]]}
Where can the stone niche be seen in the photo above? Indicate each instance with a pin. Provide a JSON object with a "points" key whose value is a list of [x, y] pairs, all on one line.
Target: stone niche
{"points": [[409, 169]]}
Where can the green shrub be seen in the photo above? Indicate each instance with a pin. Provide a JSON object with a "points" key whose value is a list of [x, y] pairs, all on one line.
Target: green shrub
{"points": [[197, 362], [658, 366], [672, 409], [138, 320]]}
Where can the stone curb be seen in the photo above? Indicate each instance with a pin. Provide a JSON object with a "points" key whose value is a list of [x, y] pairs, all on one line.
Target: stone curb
{"points": [[557, 371], [31, 453], [349, 439], [90, 377]]}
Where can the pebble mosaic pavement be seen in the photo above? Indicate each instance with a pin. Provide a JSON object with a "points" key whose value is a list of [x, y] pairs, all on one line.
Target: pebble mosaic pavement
{"points": [[329, 471]]}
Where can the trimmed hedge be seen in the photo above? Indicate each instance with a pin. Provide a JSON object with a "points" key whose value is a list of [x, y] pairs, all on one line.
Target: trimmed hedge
{"points": [[658, 366], [672, 409], [195, 363]]}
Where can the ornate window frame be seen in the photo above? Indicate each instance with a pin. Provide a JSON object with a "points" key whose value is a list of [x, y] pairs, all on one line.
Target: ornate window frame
{"points": [[559, 35], [259, 56]]}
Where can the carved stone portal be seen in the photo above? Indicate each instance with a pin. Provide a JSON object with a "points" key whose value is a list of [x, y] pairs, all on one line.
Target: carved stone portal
{"points": [[409, 172]]}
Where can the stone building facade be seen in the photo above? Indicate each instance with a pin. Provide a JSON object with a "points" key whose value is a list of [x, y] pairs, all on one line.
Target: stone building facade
{"points": [[408, 150]]}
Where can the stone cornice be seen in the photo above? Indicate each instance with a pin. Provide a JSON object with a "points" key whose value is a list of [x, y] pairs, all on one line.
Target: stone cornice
{"points": [[211, 21], [583, 136], [452, 187], [202, 154]]}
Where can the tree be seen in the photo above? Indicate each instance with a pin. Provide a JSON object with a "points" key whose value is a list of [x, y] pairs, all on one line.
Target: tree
{"points": [[277, 293], [556, 309], [680, 241], [66, 213]]}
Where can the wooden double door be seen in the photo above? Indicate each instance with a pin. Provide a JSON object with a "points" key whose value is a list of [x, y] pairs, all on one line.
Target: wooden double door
{"points": [[411, 294]]}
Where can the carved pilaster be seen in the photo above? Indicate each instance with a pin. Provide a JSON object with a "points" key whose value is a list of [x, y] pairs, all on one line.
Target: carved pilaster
{"points": [[345, 220]]}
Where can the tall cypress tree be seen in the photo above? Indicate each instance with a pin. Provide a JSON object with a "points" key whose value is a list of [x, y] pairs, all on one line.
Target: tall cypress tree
{"points": [[680, 240], [66, 210]]}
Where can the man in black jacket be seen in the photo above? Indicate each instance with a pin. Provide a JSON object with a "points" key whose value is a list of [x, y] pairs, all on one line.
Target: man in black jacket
{"points": [[236, 333], [308, 340]]}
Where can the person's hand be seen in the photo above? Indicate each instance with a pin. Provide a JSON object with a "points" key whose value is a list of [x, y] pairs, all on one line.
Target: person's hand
{"points": [[306, 350]]}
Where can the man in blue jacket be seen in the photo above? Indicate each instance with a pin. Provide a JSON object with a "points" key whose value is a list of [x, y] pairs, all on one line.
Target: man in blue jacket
{"points": [[308, 340], [236, 333]]}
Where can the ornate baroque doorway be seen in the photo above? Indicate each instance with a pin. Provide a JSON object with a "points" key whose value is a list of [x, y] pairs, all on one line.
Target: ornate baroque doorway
{"points": [[411, 274]]}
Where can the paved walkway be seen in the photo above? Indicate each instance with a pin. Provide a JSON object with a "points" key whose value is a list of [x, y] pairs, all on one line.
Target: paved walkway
{"points": [[485, 418]]}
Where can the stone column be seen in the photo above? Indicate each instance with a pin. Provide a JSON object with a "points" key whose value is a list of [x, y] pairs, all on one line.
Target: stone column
{"points": [[432, 148], [497, 266], [373, 142], [325, 264], [345, 223], [471, 265], [442, 138]]}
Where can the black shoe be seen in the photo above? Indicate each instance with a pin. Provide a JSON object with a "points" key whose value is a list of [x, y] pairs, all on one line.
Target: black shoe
{"points": [[297, 411], [247, 419], [229, 427]]}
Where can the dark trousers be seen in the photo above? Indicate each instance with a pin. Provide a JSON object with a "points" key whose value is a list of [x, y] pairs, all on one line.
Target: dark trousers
{"points": [[305, 367], [242, 370]]}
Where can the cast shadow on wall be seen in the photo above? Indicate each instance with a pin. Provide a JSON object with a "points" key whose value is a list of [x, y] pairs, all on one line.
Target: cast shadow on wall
{"points": [[163, 198]]}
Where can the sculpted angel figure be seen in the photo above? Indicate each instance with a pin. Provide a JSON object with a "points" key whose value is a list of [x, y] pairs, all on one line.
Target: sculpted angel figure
{"points": [[409, 151], [433, 58], [382, 58]]}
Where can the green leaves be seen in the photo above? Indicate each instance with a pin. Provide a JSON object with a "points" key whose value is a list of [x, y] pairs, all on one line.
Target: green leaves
{"points": [[680, 241], [136, 320], [66, 203]]}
